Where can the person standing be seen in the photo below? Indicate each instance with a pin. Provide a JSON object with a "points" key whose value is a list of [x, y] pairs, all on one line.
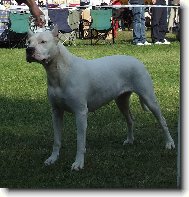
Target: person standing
{"points": [[139, 29], [116, 12], [159, 22], [174, 15]]}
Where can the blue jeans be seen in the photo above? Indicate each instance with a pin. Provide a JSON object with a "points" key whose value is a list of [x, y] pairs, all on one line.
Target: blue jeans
{"points": [[138, 25]]}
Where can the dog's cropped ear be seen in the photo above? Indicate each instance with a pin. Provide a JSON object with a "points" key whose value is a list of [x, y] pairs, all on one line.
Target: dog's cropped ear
{"points": [[30, 33], [55, 31]]}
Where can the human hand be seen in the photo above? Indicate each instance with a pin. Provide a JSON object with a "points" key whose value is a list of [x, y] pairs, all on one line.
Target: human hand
{"points": [[38, 15], [40, 21]]}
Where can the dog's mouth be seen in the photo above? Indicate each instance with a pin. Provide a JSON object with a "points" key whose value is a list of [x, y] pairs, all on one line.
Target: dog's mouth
{"points": [[29, 58], [32, 57]]}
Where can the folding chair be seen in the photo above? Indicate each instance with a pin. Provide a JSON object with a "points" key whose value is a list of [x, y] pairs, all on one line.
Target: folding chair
{"points": [[4, 19], [74, 22], [74, 19], [60, 17], [19, 26], [101, 25]]}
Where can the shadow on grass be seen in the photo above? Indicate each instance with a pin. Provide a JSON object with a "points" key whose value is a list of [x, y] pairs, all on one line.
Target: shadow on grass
{"points": [[26, 141]]}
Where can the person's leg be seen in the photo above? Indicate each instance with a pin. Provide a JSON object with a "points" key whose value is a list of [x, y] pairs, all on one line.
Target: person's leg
{"points": [[156, 14], [136, 25], [142, 25], [162, 24], [171, 19]]}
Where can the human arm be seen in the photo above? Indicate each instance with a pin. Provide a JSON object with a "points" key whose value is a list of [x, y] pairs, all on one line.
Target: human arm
{"points": [[35, 11]]}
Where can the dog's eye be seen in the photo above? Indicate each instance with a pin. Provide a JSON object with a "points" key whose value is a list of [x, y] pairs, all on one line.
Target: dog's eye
{"points": [[43, 42]]}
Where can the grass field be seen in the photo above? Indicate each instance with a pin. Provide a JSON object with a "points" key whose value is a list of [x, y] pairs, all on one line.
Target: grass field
{"points": [[26, 135]]}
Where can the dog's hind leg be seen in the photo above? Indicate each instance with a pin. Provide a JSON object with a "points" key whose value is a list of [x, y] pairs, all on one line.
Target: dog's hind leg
{"points": [[57, 116], [123, 104], [151, 103], [144, 107]]}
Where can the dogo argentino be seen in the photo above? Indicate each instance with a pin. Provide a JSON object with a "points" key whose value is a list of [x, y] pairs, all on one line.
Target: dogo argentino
{"points": [[80, 86]]}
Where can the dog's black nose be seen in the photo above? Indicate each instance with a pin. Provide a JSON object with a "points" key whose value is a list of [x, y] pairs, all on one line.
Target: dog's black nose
{"points": [[30, 50], [29, 53]]}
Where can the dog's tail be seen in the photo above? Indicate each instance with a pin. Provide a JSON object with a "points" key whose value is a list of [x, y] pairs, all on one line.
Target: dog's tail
{"points": [[144, 107]]}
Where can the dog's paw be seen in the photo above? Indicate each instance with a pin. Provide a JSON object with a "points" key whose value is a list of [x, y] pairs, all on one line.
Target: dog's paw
{"points": [[78, 165], [51, 160], [128, 141], [170, 145]]}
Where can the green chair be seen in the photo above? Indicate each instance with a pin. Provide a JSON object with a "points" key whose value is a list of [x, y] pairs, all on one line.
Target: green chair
{"points": [[18, 28], [101, 24]]}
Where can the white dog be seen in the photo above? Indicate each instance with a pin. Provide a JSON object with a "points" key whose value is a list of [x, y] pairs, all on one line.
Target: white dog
{"points": [[80, 86]]}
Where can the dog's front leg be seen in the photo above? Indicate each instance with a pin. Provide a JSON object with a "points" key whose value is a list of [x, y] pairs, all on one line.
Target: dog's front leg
{"points": [[57, 117], [81, 124]]}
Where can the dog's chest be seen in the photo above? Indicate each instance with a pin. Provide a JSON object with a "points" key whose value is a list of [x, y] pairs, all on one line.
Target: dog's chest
{"points": [[57, 97]]}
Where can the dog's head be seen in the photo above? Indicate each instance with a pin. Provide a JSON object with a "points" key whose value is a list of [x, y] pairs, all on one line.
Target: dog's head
{"points": [[42, 46]]}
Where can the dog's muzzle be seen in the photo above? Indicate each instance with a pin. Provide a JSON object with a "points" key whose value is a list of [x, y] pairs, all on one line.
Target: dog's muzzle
{"points": [[29, 54]]}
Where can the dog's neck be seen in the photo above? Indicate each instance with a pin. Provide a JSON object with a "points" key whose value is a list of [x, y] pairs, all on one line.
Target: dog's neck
{"points": [[60, 53], [60, 61], [53, 78]]}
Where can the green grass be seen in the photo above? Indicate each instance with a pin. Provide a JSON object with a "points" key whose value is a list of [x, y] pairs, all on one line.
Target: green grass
{"points": [[26, 135]]}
